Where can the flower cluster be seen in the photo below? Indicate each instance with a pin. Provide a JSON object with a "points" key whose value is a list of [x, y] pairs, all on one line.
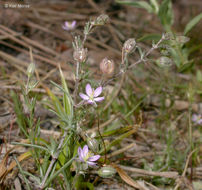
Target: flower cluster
{"points": [[197, 119]]}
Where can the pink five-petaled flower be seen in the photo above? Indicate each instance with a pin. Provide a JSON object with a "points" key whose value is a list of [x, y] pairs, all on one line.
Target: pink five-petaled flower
{"points": [[91, 95], [197, 119], [69, 25], [86, 157]]}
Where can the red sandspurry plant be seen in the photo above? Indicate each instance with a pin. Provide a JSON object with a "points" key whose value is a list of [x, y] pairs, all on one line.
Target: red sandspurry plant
{"points": [[60, 157]]}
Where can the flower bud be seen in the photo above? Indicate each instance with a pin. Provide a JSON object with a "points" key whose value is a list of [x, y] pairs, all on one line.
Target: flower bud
{"points": [[106, 171], [129, 45], [30, 69], [107, 66], [164, 61], [101, 20], [182, 39], [93, 144], [80, 55]]}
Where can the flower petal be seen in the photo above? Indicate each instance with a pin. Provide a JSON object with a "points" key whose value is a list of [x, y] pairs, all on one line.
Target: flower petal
{"points": [[89, 90], [97, 91], [99, 99], [85, 151], [199, 121], [83, 96], [66, 23], [94, 158], [65, 27], [80, 153], [73, 24], [90, 102], [91, 163], [194, 117]]}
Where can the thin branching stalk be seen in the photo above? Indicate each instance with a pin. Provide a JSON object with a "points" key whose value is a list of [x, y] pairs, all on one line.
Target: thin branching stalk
{"points": [[102, 138], [142, 59]]}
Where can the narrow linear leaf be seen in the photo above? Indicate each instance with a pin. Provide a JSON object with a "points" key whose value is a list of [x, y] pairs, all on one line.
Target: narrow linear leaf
{"points": [[192, 23], [138, 4]]}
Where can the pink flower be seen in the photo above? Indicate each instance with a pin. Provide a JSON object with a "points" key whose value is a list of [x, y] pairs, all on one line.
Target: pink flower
{"points": [[91, 95], [69, 26], [86, 157], [197, 119]]}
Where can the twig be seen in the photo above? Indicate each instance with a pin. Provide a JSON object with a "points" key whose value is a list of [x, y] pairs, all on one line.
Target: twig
{"points": [[121, 150], [39, 90], [185, 169], [173, 175]]}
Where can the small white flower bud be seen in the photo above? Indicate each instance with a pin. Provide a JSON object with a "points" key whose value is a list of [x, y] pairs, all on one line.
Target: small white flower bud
{"points": [[107, 66], [80, 55], [129, 45], [106, 171], [164, 61]]}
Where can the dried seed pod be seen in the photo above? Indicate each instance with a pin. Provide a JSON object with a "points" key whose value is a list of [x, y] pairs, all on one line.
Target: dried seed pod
{"points": [[101, 20], [80, 55], [106, 171], [107, 66], [129, 45]]}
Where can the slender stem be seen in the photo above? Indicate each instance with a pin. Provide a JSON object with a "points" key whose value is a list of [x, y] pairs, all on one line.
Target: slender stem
{"points": [[102, 138], [137, 62], [86, 34], [54, 158], [27, 86], [77, 81]]}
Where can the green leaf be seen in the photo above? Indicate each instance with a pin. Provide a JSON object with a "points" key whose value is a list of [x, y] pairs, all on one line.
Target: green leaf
{"points": [[119, 139], [199, 76], [67, 100], [155, 37], [21, 118], [192, 23], [166, 14], [155, 5], [138, 4]]}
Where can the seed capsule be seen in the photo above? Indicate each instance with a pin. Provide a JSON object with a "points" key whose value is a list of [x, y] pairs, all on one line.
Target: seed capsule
{"points": [[80, 55], [129, 45], [107, 66], [106, 172], [101, 20]]}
